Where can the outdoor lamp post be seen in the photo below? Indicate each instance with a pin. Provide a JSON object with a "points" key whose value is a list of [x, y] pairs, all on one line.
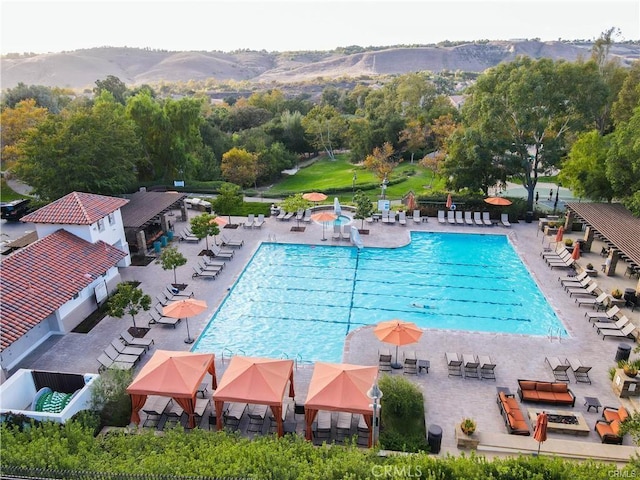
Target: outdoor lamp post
{"points": [[384, 185], [375, 394], [353, 184]]}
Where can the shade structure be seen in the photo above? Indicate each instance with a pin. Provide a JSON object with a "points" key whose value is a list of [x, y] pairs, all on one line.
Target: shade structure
{"points": [[255, 380], [576, 251], [540, 431], [398, 332], [560, 234], [219, 220], [499, 201], [449, 201], [185, 308], [314, 196], [171, 374], [340, 387], [324, 218]]}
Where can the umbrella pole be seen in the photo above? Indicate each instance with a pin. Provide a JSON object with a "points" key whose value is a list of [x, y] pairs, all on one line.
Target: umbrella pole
{"points": [[323, 239], [396, 365], [188, 339]]}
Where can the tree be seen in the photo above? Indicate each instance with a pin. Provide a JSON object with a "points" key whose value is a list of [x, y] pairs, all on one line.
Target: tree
{"points": [[128, 300], [203, 225], [91, 150], [16, 123], [364, 206], [229, 199], [239, 166], [623, 162], [415, 136], [326, 127], [170, 259], [295, 203], [109, 397], [381, 161], [45, 97], [114, 86]]}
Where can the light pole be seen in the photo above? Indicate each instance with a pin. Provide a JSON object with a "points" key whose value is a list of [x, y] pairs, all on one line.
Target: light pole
{"points": [[384, 185], [375, 394], [353, 184]]}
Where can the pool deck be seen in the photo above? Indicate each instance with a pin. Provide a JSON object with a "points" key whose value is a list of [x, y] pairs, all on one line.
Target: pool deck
{"points": [[447, 399]]}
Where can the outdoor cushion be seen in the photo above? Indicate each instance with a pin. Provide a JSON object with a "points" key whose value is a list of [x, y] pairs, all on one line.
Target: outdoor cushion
{"points": [[528, 385], [543, 387], [611, 414], [546, 396], [559, 387]]}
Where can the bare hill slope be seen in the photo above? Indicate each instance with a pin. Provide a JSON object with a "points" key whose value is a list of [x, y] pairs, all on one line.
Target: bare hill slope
{"points": [[81, 68]]}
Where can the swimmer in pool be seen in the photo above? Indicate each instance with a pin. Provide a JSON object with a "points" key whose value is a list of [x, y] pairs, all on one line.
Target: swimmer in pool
{"points": [[419, 305]]}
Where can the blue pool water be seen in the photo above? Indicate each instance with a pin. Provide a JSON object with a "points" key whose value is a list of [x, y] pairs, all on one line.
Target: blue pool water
{"points": [[301, 300]]}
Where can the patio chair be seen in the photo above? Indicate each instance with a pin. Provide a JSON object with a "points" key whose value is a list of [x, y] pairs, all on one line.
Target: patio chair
{"points": [[416, 216], [234, 414], [211, 263], [459, 219], [454, 364], [129, 339], [487, 367], [451, 217], [609, 432], [281, 215], [468, 219], [154, 407], [187, 237], [384, 360], [584, 283], [336, 232], [173, 415], [618, 324], [588, 291], [210, 266], [441, 218], [568, 264], [504, 219], [346, 233], [113, 354], [250, 220], [231, 243], [201, 407], [200, 272], [221, 253], [477, 220], [259, 221], [391, 217], [288, 216], [343, 426], [471, 365], [597, 302], [307, 216], [610, 315], [580, 371], [257, 414], [300, 214], [558, 368], [402, 218], [127, 350], [106, 363], [486, 219], [174, 294], [322, 431], [163, 299], [157, 317], [574, 281], [410, 366]]}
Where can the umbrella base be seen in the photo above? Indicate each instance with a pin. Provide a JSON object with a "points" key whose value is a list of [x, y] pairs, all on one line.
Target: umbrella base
{"points": [[396, 366], [323, 239], [188, 340]]}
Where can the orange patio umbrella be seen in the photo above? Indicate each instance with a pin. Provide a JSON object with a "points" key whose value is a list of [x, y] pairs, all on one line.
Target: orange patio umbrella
{"points": [[540, 431], [560, 234], [411, 202], [398, 332], [449, 201], [315, 197], [576, 251], [185, 308], [219, 220], [499, 201], [324, 218]]}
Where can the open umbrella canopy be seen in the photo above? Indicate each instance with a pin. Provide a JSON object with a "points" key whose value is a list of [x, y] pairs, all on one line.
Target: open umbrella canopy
{"points": [[449, 201], [219, 220], [324, 217], [540, 431], [398, 332], [411, 201], [315, 197], [184, 308], [499, 201]]}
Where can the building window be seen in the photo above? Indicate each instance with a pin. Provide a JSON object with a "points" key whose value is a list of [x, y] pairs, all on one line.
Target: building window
{"points": [[112, 219], [101, 225]]}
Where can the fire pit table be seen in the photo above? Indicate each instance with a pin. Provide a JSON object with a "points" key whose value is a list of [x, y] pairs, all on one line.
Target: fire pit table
{"points": [[561, 421]]}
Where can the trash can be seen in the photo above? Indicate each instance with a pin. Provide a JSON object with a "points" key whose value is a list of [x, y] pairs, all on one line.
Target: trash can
{"points": [[434, 438], [623, 352], [528, 217], [157, 247], [163, 241], [170, 235]]}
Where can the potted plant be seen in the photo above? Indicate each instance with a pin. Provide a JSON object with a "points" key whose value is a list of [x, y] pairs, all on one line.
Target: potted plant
{"points": [[630, 368], [616, 293], [589, 266], [468, 426], [568, 242]]}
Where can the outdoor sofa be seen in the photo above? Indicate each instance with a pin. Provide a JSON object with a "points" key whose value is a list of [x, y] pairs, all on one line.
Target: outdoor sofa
{"points": [[554, 393], [512, 415]]}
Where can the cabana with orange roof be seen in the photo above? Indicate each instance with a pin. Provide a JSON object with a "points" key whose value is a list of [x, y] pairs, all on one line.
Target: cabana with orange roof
{"points": [[259, 381], [171, 374], [340, 387]]}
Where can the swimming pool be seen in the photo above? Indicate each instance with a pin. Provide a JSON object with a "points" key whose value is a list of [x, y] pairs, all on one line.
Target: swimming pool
{"points": [[301, 300]]}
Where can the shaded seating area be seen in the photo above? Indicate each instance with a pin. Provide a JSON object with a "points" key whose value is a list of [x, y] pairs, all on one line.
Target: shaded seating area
{"points": [[338, 387], [176, 375]]}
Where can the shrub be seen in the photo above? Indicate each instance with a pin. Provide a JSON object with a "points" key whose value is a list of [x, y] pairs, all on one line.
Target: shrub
{"points": [[109, 398]]}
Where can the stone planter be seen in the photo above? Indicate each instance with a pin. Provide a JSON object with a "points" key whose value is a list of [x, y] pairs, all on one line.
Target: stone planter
{"points": [[591, 272], [550, 230], [466, 441]]}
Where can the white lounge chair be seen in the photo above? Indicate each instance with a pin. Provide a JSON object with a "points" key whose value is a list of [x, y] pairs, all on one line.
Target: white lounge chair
{"points": [[588, 291], [226, 242], [459, 219], [307, 216], [250, 220], [129, 339], [451, 217], [336, 232], [259, 221], [595, 302], [221, 253], [477, 220], [618, 324], [624, 332], [486, 219], [346, 232], [392, 217], [504, 219], [281, 215], [441, 218], [610, 315], [402, 218], [300, 214], [416, 216], [288, 216], [467, 218]]}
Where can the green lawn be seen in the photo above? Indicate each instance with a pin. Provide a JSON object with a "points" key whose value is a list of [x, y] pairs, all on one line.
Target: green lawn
{"points": [[6, 194]]}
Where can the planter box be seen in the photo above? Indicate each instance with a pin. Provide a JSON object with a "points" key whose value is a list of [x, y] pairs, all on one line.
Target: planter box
{"points": [[591, 273], [466, 441], [550, 231]]}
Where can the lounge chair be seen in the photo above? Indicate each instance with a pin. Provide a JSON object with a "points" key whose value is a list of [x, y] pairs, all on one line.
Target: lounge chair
{"points": [[471, 365], [584, 283], [234, 414], [281, 215], [106, 363], [597, 302], [573, 280], [322, 430], [259, 221], [185, 237], [416, 216], [451, 217], [468, 219], [198, 272], [504, 219], [157, 317], [127, 349], [558, 368], [257, 414], [336, 232], [402, 218], [477, 220], [129, 339], [300, 214], [163, 299], [610, 315], [392, 217], [231, 243], [210, 266], [580, 371], [410, 366], [210, 262], [486, 219], [589, 290], [459, 219], [307, 216], [384, 360], [154, 407], [384, 216], [113, 354], [487, 367], [219, 252], [454, 364], [441, 218], [173, 415], [624, 332], [174, 294], [563, 257], [618, 324], [346, 233], [288, 216], [249, 222], [560, 264]]}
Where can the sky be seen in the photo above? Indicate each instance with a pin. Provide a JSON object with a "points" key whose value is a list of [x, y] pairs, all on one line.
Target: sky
{"points": [[54, 26]]}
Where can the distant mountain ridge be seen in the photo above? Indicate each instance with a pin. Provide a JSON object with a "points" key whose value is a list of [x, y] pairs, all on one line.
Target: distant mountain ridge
{"points": [[81, 68]]}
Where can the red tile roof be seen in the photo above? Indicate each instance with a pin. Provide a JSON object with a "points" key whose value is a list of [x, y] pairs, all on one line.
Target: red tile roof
{"points": [[40, 278], [76, 208]]}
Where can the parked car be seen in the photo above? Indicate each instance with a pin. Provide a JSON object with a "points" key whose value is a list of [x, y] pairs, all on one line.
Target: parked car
{"points": [[14, 210]]}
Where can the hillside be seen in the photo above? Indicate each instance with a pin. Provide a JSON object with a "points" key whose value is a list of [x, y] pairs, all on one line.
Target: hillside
{"points": [[81, 68]]}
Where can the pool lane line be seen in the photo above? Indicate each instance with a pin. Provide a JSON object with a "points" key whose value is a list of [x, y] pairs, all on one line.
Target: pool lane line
{"points": [[440, 314], [427, 300], [435, 285], [353, 289], [314, 320]]}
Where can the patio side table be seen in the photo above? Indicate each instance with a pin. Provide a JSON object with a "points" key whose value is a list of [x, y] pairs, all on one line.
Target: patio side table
{"points": [[592, 402]]}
